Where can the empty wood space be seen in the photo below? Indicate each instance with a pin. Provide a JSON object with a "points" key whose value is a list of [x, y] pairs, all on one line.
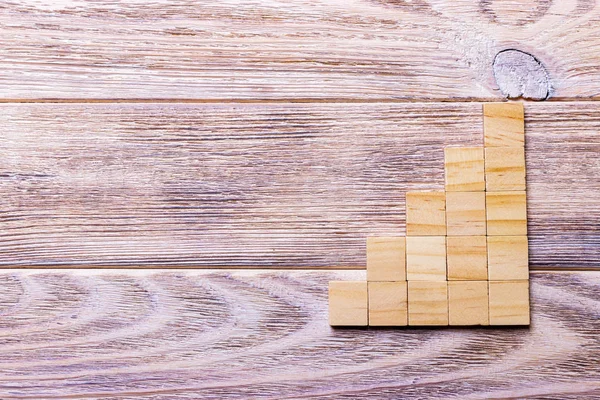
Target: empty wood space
{"points": [[178, 179]]}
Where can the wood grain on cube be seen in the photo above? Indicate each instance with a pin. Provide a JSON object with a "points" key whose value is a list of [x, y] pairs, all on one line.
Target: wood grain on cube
{"points": [[386, 258], [467, 258], [504, 168], [426, 213], [464, 169], [468, 303], [426, 258], [427, 303], [508, 257], [465, 213], [503, 124], [388, 304], [348, 303], [506, 213], [509, 302]]}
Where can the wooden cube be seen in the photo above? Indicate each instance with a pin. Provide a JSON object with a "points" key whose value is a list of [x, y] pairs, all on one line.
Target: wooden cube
{"points": [[508, 258], [426, 258], [348, 303], [504, 124], [425, 213], [464, 168], [386, 259], [504, 168], [427, 303], [467, 258], [506, 213], [388, 304], [509, 302], [465, 213], [468, 303]]}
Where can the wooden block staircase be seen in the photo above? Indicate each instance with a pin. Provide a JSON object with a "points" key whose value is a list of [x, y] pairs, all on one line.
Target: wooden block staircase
{"points": [[464, 260]]}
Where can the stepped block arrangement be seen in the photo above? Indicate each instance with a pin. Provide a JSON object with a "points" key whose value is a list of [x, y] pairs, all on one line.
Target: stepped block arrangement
{"points": [[464, 260]]}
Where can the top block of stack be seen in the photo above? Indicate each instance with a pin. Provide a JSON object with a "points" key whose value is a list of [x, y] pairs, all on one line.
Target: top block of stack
{"points": [[504, 125]]}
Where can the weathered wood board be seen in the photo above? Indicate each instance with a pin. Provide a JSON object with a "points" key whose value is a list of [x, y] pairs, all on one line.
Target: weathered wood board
{"points": [[271, 185], [211, 334], [301, 49]]}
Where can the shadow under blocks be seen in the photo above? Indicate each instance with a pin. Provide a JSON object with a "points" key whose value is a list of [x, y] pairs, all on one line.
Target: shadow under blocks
{"points": [[464, 259]]}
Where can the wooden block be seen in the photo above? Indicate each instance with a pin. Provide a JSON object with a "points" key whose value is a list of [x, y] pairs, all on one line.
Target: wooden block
{"points": [[348, 303], [464, 168], [427, 303], [467, 258], [388, 304], [504, 124], [465, 213], [468, 303], [504, 168], [508, 258], [426, 258], [425, 213], [509, 302], [386, 259], [506, 213]]}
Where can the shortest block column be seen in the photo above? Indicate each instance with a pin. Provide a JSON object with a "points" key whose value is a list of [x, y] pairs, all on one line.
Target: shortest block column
{"points": [[427, 303], [468, 302], [348, 303], [509, 302], [388, 304]]}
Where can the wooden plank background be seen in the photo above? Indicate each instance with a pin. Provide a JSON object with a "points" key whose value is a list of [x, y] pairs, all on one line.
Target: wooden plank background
{"points": [[278, 134]]}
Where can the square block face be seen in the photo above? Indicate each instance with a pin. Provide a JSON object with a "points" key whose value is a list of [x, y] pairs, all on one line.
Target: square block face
{"points": [[426, 258], [467, 258], [504, 168], [468, 303], [508, 258], [506, 213], [425, 213], [509, 302], [427, 303], [388, 304], [348, 303], [504, 124], [465, 169], [465, 213], [386, 259]]}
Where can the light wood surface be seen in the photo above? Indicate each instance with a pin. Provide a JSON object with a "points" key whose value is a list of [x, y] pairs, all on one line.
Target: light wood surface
{"points": [[426, 258], [301, 49], [386, 259], [505, 169], [274, 185], [507, 257], [465, 213], [348, 303], [425, 213], [504, 125], [509, 302], [428, 303], [464, 169], [506, 213], [467, 258], [388, 303], [468, 303], [229, 334]]}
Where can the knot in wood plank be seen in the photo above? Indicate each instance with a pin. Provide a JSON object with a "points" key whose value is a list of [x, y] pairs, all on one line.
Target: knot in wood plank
{"points": [[519, 74]]}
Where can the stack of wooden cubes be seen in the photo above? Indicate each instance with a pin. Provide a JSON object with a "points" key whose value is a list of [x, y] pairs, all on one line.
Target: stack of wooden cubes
{"points": [[464, 260]]}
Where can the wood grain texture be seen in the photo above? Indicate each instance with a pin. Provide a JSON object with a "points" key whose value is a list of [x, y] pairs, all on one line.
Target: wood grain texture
{"points": [[273, 185], [231, 334], [302, 49]]}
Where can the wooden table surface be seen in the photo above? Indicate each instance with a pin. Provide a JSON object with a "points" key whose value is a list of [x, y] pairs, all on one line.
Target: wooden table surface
{"points": [[179, 180]]}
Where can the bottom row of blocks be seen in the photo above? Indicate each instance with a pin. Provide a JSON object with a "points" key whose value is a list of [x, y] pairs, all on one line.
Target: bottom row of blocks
{"points": [[428, 303]]}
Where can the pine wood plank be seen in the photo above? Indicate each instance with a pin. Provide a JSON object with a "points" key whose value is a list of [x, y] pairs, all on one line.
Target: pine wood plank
{"points": [[300, 49], [273, 185], [128, 334]]}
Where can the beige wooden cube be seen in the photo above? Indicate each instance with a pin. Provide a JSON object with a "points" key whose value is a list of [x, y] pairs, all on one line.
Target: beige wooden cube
{"points": [[508, 258], [465, 214], [427, 303], [425, 213], [504, 168], [426, 258], [506, 213], [388, 304], [468, 303], [465, 169], [467, 258], [348, 303], [386, 259], [503, 124], [509, 302]]}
